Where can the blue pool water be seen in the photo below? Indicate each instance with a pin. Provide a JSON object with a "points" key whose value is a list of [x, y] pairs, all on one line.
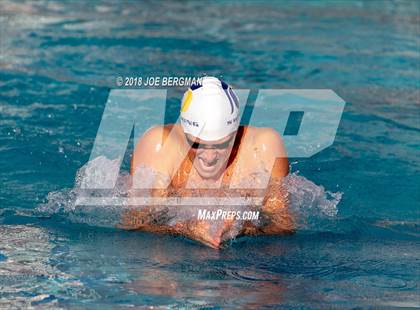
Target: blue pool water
{"points": [[58, 62]]}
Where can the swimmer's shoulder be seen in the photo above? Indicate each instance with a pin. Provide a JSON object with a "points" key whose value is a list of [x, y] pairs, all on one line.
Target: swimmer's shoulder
{"points": [[157, 147], [159, 135], [262, 137], [266, 144], [267, 135], [256, 136]]}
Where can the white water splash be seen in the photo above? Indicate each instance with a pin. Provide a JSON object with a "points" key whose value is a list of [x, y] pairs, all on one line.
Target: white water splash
{"points": [[308, 202]]}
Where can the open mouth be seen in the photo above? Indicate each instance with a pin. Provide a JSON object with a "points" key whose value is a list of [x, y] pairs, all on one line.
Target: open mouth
{"points": [[208, 166]]}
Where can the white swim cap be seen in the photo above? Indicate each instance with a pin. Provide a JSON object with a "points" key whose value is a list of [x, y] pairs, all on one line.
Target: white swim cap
{"points": [[210, 110]]}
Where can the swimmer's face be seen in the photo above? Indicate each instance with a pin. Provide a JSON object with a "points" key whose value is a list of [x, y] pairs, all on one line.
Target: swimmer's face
{"points": [[210, 158]]}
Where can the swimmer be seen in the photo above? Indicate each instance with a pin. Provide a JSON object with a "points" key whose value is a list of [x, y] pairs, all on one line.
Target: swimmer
{"points": [[209, 149]]}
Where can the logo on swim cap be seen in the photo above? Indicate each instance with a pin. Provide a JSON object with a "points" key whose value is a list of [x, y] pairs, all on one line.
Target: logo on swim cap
{"points": [[231, 96], [214, 106], [187, 100]]}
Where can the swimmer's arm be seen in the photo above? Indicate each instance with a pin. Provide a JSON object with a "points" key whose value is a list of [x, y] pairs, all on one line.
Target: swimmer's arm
{"points": [[273, 153], [151, 151], [276, 217], [275, 206], [149, 158]]}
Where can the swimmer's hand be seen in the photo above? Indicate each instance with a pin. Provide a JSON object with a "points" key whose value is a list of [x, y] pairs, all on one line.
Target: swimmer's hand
{"points": [[156, 220], [276, 218], [212, 234], [136, 219]]}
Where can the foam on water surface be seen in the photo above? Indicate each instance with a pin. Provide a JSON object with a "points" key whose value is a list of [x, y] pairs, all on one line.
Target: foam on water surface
{"points": [[308, 202]]}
